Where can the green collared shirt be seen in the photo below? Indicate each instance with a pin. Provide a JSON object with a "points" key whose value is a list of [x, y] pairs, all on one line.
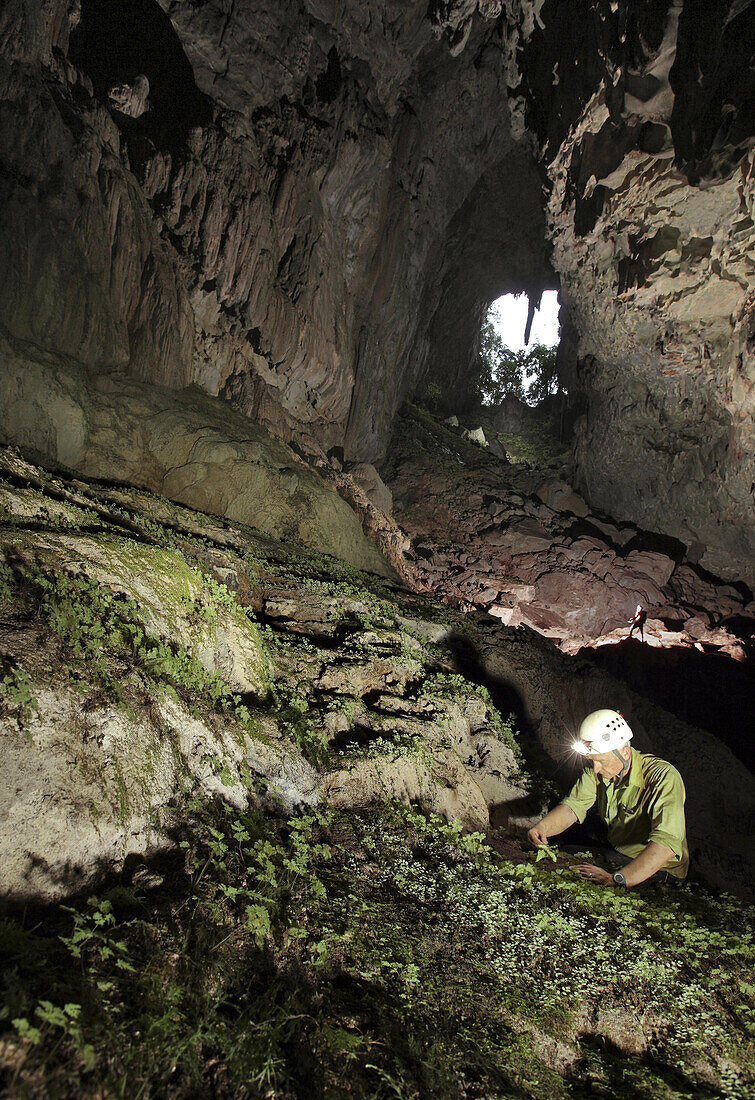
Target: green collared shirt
{"points": [[647, 806]]}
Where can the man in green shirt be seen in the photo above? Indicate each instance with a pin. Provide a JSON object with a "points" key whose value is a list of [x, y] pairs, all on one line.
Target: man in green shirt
{"points": [[638, 796]]}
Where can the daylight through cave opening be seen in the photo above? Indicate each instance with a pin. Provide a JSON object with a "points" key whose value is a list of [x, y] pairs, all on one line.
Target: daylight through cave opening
{"points": [[519, 349]]}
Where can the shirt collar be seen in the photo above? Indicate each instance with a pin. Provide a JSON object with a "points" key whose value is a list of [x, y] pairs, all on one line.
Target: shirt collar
{"points": [[634, 778]]}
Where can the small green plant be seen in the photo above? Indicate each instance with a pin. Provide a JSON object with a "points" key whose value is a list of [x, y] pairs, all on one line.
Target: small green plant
{"points": [[7, 582], [253, 564], [384, 950], [453, 686], [399, 746], [95, 626], [57, 1018], [545, 851], [291, 710], [432, 396], [15, 689], [343, 704]]}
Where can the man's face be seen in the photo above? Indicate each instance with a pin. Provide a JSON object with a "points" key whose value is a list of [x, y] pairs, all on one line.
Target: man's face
{"points": [[607, 765]]}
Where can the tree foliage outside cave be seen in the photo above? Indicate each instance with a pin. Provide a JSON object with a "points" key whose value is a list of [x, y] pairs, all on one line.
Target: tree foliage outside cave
{"points": [[529, 374]]}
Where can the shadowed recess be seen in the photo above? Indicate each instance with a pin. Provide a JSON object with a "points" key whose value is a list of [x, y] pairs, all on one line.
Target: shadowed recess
{"points": [[116, 42]]}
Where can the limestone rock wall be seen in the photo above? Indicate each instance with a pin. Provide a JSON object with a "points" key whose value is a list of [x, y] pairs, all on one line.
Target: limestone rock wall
{"points": [[647, 138], [304, 208], [86, 274], [279, 215], [186, 446]]}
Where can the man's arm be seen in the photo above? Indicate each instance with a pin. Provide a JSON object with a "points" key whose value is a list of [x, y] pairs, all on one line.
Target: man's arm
{"points": [[651, 859], [555, 822]]}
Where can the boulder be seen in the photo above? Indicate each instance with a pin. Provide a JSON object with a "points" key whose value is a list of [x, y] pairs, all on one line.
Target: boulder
{"points": [[501, 538], [184, 445], [369, 480], [656, 566], [131, 99], [561, 497], [511, 416], [523, 536], [509, 616], [171, 598], [475, 435]]}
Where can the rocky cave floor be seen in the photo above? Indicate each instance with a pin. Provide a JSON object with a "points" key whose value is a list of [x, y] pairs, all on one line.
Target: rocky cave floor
{"points": [[229, 767], [499, 527]]}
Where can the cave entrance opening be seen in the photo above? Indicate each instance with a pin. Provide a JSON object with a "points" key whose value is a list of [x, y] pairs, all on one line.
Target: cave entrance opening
{"points": [[511, 316], [519, 349]]}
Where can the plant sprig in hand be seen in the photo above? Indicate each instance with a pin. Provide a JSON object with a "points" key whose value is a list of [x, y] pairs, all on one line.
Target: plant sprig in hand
{"points": [[545, 852]]}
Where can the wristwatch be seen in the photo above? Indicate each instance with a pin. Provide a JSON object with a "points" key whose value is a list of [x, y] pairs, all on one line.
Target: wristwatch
{"points": [[618, 879]]}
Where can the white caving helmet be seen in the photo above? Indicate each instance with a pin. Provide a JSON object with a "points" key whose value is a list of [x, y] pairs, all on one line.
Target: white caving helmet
{"points": [[602, 731]]}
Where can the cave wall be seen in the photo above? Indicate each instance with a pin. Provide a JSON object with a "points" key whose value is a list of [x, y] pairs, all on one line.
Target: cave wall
{"points": [[647, 139], [262, 201], [305, 207]]}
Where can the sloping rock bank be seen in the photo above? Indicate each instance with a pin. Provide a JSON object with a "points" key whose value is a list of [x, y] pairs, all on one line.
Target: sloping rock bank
{"points": [[186, 446], [524, 545], [151, 653]]}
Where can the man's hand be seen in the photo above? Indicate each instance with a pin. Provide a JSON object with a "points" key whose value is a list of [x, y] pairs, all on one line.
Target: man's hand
{"points": [[594, 874], [559, 818], [538, 835]]}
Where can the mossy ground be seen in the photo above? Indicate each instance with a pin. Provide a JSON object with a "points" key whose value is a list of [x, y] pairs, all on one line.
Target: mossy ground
{"points": [[164, 564], [375, 954]]}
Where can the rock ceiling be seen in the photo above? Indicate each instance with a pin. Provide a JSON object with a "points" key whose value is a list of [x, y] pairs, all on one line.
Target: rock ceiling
{"points": [[305, 207]]}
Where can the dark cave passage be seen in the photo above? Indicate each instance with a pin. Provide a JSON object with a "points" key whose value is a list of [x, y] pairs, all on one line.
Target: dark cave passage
{"points": [[118, 40], [707, 690]]}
